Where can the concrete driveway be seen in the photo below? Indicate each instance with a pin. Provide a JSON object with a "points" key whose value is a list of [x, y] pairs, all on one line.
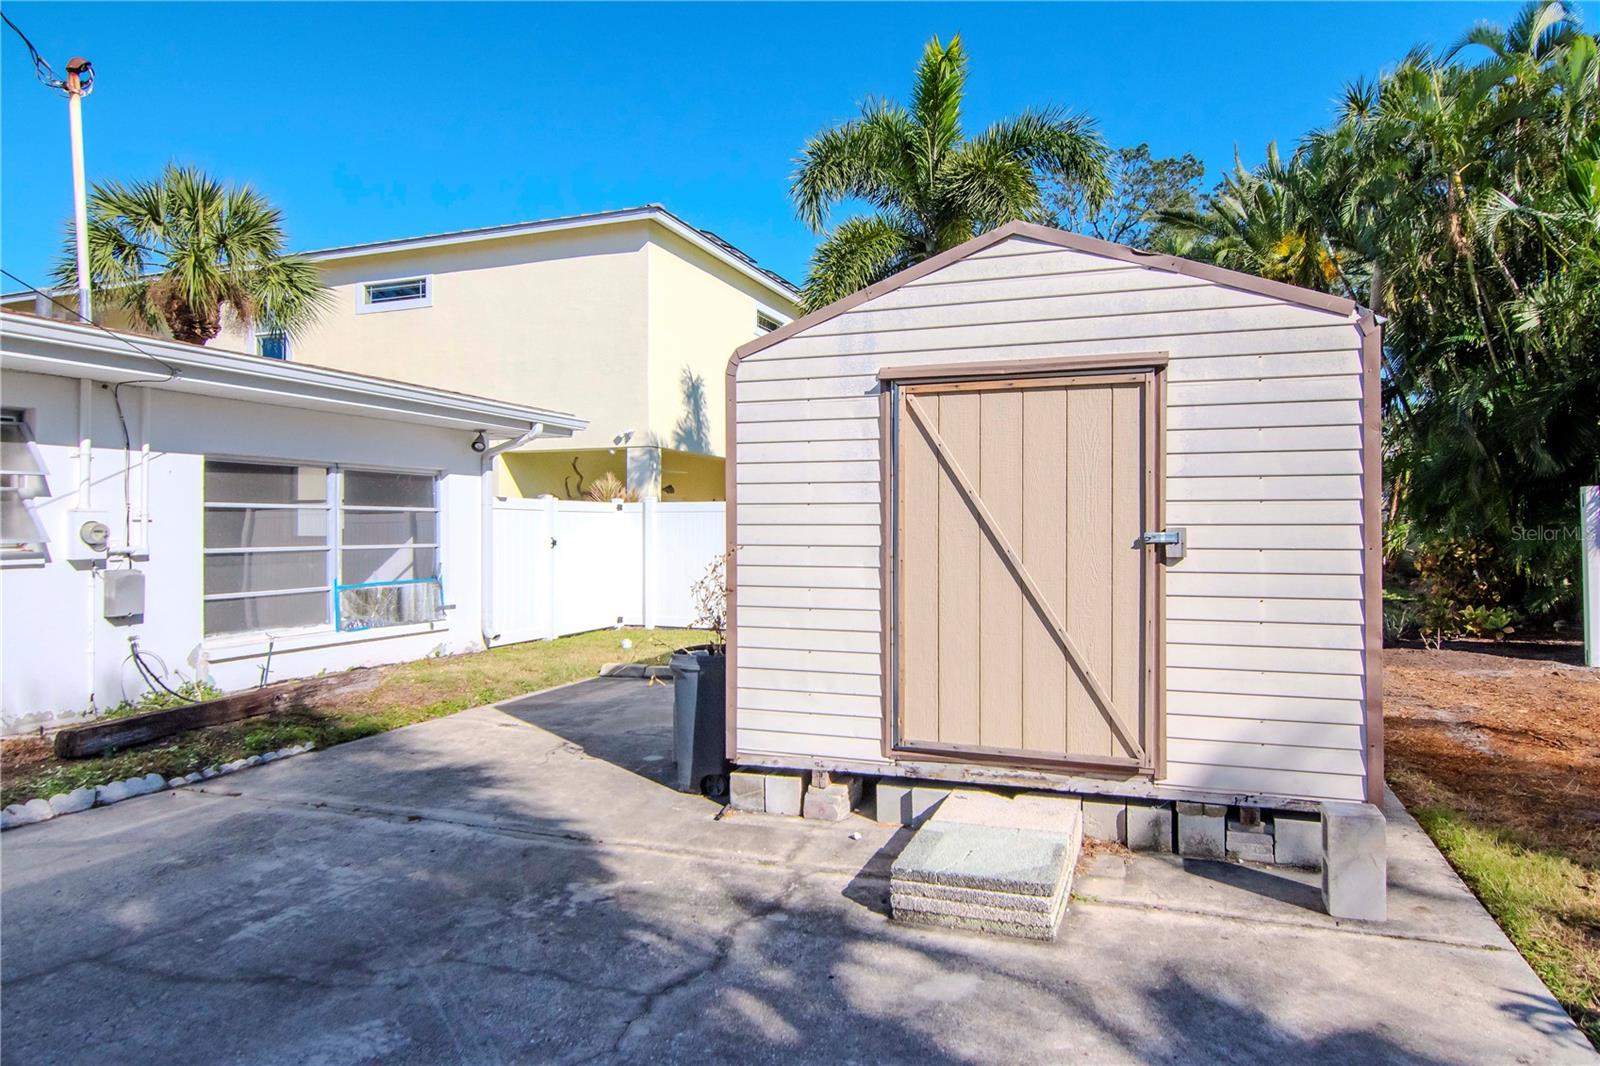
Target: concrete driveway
{"points": [[516, 884]]}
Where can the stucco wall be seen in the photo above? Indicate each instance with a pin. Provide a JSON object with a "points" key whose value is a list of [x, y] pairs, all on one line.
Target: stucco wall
{"points": [[50, 609], [699, 312], [555, 319]]}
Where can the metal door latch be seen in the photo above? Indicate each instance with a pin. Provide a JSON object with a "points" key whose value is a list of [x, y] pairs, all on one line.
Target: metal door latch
{"points": [[1172, 542]]}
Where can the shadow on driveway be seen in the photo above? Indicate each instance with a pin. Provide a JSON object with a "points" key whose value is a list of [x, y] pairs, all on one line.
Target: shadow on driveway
{"points": [[516, 884]]}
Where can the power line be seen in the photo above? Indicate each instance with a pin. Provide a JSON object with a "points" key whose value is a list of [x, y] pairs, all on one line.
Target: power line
{"points": [[45, 72], [172, 371]]}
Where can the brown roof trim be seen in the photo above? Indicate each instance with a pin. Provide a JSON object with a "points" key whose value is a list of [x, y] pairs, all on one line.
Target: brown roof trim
{"points": [[1318, 301], [1370, 327], [1001, 368]]}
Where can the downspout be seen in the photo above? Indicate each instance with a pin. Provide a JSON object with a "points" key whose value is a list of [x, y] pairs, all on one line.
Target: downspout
{"points": [[82, 500], [486, 460]]}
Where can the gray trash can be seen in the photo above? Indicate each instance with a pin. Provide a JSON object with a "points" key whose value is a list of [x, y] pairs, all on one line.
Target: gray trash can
{"points": [[699, 717]]}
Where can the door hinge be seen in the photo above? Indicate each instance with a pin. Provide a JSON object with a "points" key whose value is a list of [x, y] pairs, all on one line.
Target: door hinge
{"points": [[1172, 542]]}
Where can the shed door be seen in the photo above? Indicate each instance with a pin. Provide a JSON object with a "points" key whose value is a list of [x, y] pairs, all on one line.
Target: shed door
{"points": [[1026, 602]]}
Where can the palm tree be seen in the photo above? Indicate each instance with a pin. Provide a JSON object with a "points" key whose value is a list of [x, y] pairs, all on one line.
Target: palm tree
{"points": [[1267, 222], [180, 250], [933, 188]]}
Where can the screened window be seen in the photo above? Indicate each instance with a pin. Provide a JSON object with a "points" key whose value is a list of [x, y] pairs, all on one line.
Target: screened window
{"points": [[22, 481], [394, 294], [272, 344], [292, 545], [268, 546], [389, 550]]}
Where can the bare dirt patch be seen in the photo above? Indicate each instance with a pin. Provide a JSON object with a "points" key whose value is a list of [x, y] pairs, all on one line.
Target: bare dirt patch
{"points": [[1496, 750], [1511, 733]]}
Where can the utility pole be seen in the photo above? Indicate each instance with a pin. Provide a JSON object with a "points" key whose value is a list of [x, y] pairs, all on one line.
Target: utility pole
{"points": [[80, 82]]}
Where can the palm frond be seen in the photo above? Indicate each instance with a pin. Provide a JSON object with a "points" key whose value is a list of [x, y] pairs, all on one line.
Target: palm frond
{"points": [[860, 252]]}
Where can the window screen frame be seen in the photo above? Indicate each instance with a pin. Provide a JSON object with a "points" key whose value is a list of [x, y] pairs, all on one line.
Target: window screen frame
{"points": [[365, 305], [19, 418]]}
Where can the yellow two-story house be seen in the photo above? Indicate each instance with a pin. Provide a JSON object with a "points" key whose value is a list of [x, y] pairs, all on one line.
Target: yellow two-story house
{"points": [[626, 317]]}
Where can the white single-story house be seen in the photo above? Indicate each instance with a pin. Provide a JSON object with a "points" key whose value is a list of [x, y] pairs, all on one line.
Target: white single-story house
{"points": [[230, 518], [1050, 512]]}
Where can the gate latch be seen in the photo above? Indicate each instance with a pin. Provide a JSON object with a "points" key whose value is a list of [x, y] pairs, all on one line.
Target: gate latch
{"points": [[1172, 542]]}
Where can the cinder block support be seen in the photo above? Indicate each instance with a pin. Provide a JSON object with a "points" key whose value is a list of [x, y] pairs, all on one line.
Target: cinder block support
{"points": [[1250, 843], [1297, 840], [901, 802], [747, 791], [784, 792], [1150, 828], [1105, 819], [834, 801], [1202, 830], [1355, 871]]}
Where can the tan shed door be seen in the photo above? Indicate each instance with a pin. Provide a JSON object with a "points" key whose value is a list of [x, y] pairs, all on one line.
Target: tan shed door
{"points": [[1026, 620]]}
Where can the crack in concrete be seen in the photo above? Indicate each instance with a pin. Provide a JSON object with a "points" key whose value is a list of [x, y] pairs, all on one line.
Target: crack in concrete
{"points": [[720, 957]]}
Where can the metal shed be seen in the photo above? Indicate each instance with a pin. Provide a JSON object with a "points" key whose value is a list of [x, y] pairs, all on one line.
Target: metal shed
{"points": [[948, 497]]}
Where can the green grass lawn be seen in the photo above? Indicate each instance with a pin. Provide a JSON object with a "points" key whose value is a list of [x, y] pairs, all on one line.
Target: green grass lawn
{"points": [[402, 695]]}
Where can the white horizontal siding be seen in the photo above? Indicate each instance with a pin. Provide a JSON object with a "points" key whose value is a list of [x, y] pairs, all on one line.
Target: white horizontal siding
{"points": [[816, 451], [1252, 490], [1261, 609], [802, 430], [819, 534], [1288, 660], [1264, 439], [1264, 468], [788, 619], [751, 594], [753, 636], [812, 721], [1264, 634], [1257, 512], [806, 746], [1190, 705], [830, 703], [752, 515], [810, 492], [1255, 682]]}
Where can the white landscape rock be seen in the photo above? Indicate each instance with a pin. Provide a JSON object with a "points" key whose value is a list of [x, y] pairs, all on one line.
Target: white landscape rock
{"points": [[254, 760], [38, 810], [209, 772], [8, 817], [79, 799], [190, 779], [139, 786], [115, 792], [176, 782]]}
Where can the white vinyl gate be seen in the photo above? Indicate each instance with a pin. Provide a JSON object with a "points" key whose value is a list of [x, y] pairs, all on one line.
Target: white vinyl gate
{"points": [[568, 566]]}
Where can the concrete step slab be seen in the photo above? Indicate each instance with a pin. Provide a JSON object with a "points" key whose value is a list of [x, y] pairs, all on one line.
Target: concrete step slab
{"points": [[990, 863]]}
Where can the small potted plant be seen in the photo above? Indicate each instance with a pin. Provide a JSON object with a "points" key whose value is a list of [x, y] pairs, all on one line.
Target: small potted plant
{"points": [[699, 698]]}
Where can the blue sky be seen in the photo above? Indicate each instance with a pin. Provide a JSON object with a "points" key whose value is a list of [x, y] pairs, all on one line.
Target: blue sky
{"points": [[371, 121]]}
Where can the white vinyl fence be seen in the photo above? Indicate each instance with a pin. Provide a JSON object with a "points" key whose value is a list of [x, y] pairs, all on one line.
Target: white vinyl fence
{"points": [[565, 566]]}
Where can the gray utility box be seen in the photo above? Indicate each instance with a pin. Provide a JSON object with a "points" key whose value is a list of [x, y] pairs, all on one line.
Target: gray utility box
{"points": [[124, 593]]}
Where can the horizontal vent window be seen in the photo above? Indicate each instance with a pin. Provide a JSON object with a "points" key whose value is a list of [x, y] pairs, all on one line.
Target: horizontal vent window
{"points": [[388, 292]]}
